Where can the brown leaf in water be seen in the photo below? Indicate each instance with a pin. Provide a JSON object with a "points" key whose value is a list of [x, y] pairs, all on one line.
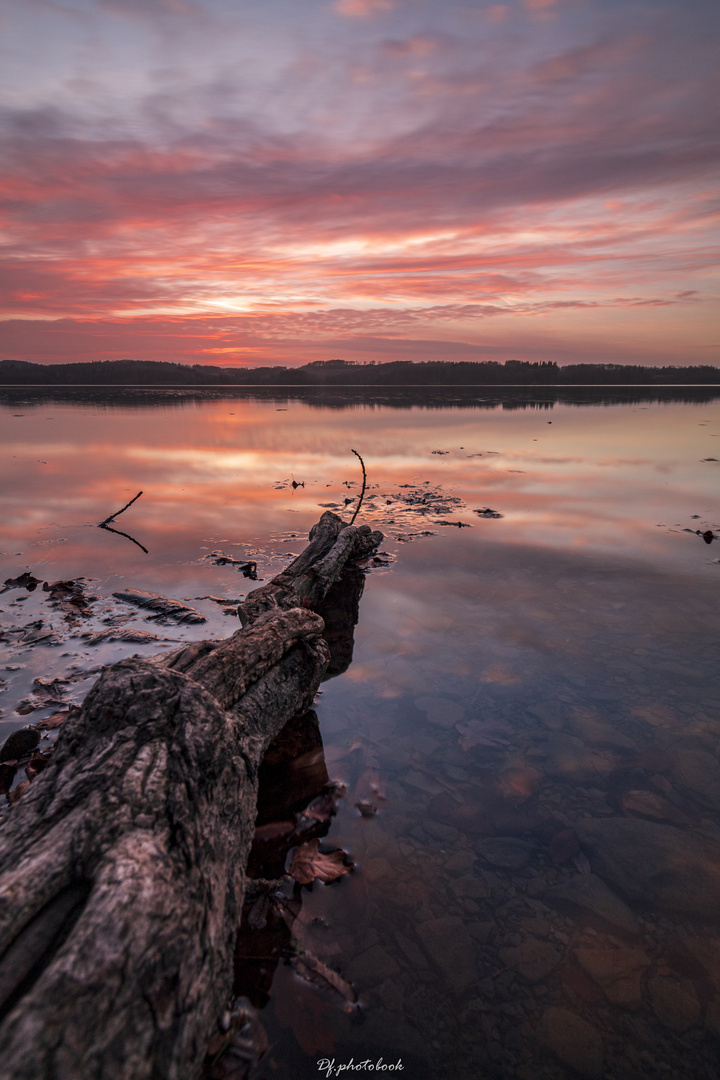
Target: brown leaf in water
{"points": [[309, 863], [315, 971], [580, 983], [54, 721]]}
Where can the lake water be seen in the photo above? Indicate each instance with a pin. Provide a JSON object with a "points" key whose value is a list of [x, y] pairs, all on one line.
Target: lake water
{"points": [[531, 719]]}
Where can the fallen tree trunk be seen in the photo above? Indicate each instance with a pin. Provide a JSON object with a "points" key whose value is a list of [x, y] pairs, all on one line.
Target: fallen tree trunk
{"points": [[122, 868]]}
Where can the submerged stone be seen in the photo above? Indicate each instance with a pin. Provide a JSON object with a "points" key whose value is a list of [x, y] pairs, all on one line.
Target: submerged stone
{"points": [[674, 1001], [372, 966], [589, 893], [470, 887], [618, 972], [441, 711], [655, 864], [507, 852], [651, 805], [532, 961], [573, 1040], [568, 758], [449, 946], [706, 951], [596, 733], [698, 772]]}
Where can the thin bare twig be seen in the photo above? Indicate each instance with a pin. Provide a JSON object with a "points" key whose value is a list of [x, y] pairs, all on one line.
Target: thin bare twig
{"points": [[362, 493], [119, 512]]}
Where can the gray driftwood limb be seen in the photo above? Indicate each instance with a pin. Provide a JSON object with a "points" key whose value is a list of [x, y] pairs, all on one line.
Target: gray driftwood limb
{"points": [[122, 868]]}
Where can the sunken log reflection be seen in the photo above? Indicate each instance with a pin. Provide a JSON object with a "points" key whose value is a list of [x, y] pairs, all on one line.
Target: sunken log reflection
{"points": [[295, 802], [291, 775], [340, 611]]}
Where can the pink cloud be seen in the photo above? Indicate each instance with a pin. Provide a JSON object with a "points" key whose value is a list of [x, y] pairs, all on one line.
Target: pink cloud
{"points": [[362, 9]]}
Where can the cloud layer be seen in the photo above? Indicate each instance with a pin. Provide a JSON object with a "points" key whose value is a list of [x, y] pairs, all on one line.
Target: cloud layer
{"points": [[366, 179]]}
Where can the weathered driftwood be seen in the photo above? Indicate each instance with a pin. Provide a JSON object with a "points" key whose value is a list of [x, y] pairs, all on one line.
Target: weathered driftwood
{"points": [[122, 868]]}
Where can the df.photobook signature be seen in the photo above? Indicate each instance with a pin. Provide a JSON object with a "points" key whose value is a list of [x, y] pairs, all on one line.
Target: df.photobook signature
{"points": [[330, 1068]]}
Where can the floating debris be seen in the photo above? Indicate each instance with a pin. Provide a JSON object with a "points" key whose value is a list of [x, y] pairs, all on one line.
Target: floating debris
{"points": [[69, 596], [223, 600], [24, 581], [164, 608], [33, 633], [247, 567], [487, 512], [406, 538], [46, 694], [139, 637], [313, 970]]}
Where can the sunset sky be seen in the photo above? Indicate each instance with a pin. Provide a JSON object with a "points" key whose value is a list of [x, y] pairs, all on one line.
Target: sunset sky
{"points": [[267, 181]]}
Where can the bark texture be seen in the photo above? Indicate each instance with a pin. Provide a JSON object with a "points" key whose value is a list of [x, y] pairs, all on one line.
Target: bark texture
{"points": [[122, 868]]}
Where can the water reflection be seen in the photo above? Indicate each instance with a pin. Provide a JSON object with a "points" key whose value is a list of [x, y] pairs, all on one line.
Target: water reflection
{"points": [[342, 397], [531, 718], [544, 873]]}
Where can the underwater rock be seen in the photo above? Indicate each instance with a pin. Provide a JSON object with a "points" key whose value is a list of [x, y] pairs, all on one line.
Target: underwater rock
{"points": [[674, 1001], [655, 864], [532, 961], [589, 893], [573, 1040], [449, 946], [507, 852], [618, 972]]}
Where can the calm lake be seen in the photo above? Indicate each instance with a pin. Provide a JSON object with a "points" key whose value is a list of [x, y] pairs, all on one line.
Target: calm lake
{"points": [[531, 718]]}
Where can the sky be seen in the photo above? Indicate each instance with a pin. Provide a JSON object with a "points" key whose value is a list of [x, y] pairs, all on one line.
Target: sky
{"points": [[245, 182]]}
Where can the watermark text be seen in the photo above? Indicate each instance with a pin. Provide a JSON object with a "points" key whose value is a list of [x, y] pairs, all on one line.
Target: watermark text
{"points": [[332, 1068]]}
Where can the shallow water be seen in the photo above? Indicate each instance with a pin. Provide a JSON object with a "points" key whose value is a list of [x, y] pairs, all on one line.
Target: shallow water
{"points": [[547, 677]]}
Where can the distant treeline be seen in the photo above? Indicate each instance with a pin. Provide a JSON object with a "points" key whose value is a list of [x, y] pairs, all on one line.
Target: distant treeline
{"points": [[347, 373]]}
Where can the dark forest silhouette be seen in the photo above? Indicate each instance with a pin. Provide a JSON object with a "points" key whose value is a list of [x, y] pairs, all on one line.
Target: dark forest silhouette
{"points": [[348, 373]]}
